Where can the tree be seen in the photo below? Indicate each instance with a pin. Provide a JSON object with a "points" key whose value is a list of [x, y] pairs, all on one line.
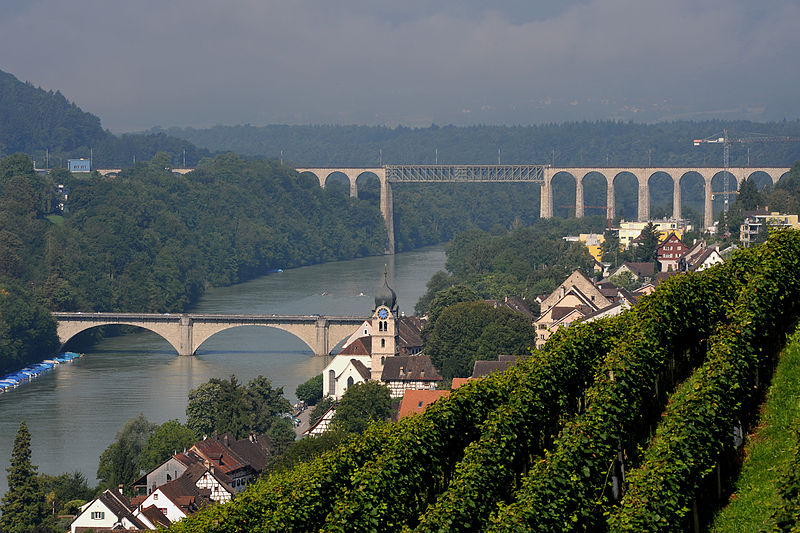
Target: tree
{"points": [[119, 463], [225, 406], [469, 331], [63, 490], [625, 280], [647, 245], [166, 440], [447, 297], [360, 404], [310, 391], [23, 506], [610, 247]]}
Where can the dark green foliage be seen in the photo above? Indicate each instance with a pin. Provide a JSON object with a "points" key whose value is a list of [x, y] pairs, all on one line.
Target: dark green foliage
{"points": [[310, 391], [27, 330], [447, 297], [23, 504], [468, 331], [119, 463], [320, 409], [169, 438], [646, 246], [64, 490], [361, 404], [151, 240], [522, 262], [225, 406], [304, 450]]}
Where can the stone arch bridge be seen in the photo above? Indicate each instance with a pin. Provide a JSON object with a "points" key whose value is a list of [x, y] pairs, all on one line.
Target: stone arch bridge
{"points": [[542, 175], [186, 332]]}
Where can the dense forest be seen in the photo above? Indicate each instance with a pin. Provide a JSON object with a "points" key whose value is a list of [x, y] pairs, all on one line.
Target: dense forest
{"points": [[603, 143], [51, 129]]}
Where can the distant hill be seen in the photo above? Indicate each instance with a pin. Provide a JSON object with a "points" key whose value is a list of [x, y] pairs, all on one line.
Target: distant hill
{"points": [[35, 121], [566, 144]]}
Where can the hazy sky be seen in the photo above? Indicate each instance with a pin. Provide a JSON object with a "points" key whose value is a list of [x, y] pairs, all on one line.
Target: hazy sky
{"points": [[142, 63]]}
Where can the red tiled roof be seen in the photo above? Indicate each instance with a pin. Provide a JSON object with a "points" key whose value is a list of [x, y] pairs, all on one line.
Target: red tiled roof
{"points": [[416, 401], [457, 382], [360, 346]]}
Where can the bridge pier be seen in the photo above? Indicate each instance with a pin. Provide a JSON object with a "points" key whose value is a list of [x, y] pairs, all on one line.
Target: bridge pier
{"points": [[186, 330]]}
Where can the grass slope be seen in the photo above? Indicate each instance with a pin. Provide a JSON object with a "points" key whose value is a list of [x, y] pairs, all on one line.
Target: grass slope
{"points": [[768, 452]]}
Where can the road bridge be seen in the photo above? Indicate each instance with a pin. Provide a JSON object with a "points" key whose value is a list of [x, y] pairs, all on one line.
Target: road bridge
{"points": [[542, 175], [186, 332]]}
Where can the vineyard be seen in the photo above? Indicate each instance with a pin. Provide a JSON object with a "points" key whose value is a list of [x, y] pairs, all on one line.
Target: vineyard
{"points": [[632, 423]]}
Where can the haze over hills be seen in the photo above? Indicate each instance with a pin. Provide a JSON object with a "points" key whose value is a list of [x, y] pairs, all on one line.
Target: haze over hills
{"points": [[601, 143], [36, 121]]}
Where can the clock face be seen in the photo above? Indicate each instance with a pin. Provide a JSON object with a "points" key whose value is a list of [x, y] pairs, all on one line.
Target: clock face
{"points": [[383, 313]]}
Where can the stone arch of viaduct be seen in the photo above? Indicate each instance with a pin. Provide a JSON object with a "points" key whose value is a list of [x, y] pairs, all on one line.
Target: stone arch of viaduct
{"points": [[643, 175], [186, 333], [352, 173]]}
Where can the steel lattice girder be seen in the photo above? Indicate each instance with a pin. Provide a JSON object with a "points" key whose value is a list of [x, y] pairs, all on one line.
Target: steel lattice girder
{"points": [[465, 173]]}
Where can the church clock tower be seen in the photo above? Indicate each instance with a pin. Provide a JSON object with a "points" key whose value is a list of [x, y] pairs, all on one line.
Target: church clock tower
{"points": [[384, 327]]}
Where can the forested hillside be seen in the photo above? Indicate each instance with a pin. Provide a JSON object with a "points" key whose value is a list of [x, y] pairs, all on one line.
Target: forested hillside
{"points": [[624, 424], [35, 121], [151, 240], [606, 143]]}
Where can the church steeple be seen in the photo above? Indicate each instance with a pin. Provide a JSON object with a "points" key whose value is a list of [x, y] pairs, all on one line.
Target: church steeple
{"points": [[384, 326]]}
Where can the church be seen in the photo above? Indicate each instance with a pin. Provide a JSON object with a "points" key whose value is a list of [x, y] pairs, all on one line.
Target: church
{"points": [[384, 348]]}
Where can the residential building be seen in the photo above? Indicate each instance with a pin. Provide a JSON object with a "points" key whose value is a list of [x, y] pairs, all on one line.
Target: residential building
{"points": [[113, 511], [670, 251], [414, 372], [756, 224], [628, 231]]}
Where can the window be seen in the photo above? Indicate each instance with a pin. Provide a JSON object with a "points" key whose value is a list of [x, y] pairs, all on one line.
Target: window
{"points": [[98, 515], [155, 496], [383, 343]]}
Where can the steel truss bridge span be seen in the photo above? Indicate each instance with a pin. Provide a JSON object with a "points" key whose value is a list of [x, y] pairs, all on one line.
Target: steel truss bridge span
{"points": [[465, 173]]}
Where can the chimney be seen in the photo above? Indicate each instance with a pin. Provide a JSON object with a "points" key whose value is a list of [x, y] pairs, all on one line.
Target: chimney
{"points": [[226, 440], [119, 488]]}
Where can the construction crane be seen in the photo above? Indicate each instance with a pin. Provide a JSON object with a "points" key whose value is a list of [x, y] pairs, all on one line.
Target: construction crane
{"points": [[726, 142]]}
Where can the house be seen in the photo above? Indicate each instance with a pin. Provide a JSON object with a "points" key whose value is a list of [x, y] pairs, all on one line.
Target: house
{"points": [[324, 422], [179, 498], [241, 460], [515, 303], [409, 334], [629, 231], [756, 222], [416, 401], [700, 257], [640, 271], [172, 468], [576, 284], [113, 511], [670, 251], [485, 367], [413, 372]]}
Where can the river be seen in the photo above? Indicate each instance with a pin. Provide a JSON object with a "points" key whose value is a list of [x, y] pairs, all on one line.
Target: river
{"points": [[74, 411]]}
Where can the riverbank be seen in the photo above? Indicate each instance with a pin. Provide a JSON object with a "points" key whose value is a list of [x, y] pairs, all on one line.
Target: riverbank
{"points": [[73, 414]]}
